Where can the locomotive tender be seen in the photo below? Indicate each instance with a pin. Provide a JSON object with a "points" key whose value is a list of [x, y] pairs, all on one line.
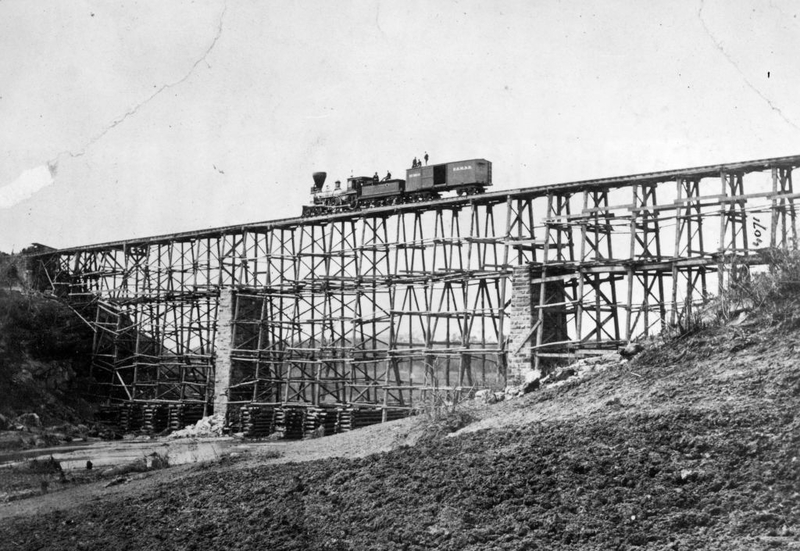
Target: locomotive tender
{"points": [[422, 183]]}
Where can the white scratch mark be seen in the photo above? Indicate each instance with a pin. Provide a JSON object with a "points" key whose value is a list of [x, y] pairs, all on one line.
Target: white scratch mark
{"points": [[33, 180], [133, 110], [727, 56], [378, 17], [26, 185]]}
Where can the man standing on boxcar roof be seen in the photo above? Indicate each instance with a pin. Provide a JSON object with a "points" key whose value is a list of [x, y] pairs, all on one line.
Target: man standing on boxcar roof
{"points": [[426, 158], [414, 163]]}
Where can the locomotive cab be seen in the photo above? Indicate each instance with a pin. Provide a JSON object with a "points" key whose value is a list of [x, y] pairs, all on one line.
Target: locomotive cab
{"points": [[336, 195]]}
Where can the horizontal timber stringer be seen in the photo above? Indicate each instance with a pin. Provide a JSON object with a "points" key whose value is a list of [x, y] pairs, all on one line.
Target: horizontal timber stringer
{"points": [[388, 308]]}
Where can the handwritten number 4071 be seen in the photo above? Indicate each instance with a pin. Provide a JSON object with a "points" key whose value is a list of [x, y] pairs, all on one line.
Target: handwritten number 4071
{"points": [[757, 231]]}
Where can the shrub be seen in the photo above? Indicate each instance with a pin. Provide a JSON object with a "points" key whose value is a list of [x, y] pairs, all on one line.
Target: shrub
{"points": [[774, 293], [442, 415]]}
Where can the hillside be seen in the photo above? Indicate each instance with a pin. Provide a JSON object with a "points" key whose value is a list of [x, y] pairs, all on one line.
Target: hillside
{"points": [[692, 445], [45, 351]]}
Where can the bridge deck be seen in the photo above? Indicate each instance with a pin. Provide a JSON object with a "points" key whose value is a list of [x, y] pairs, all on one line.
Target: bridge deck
{"points": [[453, 202]]}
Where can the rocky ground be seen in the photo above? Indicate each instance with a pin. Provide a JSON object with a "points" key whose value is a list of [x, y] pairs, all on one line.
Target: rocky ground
{"points": [[44, 351], [44, 358], [694, 445]]}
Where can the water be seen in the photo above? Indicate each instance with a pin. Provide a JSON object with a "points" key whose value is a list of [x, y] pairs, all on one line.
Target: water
{"points": [[108, 454]]}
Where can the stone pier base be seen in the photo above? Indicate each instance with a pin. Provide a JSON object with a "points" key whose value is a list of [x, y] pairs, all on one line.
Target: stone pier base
{"points": [[223, 343], [522, 319]]}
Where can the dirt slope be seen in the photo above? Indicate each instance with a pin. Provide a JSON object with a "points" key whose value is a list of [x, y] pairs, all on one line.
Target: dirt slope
{"points": [[693, 446]]}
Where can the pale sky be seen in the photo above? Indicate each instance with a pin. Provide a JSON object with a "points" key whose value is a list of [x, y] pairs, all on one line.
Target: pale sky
{"points": [[128, 119]]}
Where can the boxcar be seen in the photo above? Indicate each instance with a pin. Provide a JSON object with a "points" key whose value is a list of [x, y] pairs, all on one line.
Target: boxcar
{"points": [[471, 176], [470, 173], [416, 183]]}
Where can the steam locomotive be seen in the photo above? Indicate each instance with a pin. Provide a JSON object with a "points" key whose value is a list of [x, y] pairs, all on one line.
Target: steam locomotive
{"points": [[422, 183]]}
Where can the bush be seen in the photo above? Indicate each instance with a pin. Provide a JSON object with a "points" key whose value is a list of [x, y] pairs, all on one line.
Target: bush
{"points": [[441, 416], [774, 293]]}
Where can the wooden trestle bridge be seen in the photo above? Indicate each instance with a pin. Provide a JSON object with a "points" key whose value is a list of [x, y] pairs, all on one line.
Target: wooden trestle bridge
{"points": [[378, 308]]}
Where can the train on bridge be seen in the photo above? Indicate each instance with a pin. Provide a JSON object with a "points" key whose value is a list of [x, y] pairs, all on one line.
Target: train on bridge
{"points": [[422, 183]]}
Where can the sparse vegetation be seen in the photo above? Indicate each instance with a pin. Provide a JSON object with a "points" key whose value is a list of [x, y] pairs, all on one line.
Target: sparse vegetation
{"points": [[442, 414], [774, 294], [769, 292]]}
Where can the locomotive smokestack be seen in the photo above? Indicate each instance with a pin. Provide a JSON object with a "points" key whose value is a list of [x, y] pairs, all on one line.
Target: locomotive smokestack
{"points": [[319, 179]]}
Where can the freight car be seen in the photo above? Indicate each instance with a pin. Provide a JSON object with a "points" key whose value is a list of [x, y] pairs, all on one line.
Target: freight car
{"points": [[463, 177], [421, 184]]}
